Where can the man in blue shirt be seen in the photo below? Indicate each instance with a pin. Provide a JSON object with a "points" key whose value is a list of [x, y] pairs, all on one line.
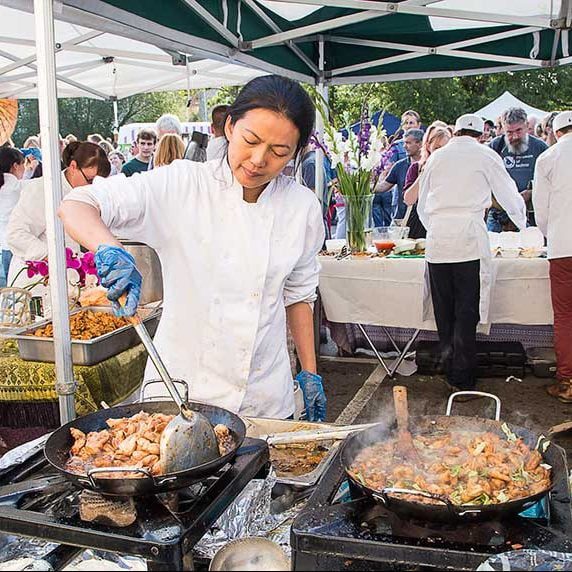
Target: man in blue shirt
{"points": [[519, 150], [396, 178], [383, 207]]}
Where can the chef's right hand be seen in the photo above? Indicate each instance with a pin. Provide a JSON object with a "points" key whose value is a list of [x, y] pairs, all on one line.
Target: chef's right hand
{"points": [[117, 272]]}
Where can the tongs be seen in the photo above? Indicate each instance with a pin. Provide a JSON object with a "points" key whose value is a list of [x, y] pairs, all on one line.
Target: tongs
{"points": [[329, 434], [189, 439]]}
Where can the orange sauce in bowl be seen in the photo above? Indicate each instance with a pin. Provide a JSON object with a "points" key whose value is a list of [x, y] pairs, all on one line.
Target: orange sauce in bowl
{"points": [[383, 245]]}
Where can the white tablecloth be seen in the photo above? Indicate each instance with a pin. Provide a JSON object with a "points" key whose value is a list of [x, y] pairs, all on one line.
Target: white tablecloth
{"points": [[389, 292]]}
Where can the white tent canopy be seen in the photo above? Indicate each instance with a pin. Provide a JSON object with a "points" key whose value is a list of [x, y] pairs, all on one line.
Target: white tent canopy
{"points": [[102, 65], [495, 108]]}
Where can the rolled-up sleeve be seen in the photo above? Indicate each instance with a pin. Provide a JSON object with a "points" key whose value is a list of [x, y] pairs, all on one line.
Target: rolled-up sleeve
{"points": [[302, 283], [136, 208]]}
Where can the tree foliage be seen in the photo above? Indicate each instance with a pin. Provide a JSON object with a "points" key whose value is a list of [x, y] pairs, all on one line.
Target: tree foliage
{"points": [[446, 99], [82, 116]]}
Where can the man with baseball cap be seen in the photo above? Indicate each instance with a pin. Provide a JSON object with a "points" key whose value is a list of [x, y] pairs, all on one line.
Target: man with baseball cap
{"points": [[455, 191], [552, 198]]}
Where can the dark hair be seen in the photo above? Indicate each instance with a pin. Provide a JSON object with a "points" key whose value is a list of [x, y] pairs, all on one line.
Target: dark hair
{"points": [[9, 156], [489, 122], [218, 116], [469, 132], [565, 129], [281, 95], [87, 154], [147, 135], [417, 134]]}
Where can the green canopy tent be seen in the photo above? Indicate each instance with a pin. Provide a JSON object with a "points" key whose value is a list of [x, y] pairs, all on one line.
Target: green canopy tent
{"points": [[364, 40], [320, 42]]}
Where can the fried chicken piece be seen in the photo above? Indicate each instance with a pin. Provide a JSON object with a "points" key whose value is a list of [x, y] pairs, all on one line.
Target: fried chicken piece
{"points": [[79, 437]]}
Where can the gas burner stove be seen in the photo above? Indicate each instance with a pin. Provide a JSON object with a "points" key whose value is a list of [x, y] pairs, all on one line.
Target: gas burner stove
{"points": [[37, 502], [340, 529]]}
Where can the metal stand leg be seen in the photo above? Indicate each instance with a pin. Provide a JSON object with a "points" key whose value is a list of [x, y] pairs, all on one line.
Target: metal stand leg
{"points": [[386, 332], [404, 353], [381, 361]]}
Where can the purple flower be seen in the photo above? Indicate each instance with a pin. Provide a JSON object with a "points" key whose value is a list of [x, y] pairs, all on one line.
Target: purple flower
{"points": [[364, 132], [88, 263], [36, 267], [72, 261]]}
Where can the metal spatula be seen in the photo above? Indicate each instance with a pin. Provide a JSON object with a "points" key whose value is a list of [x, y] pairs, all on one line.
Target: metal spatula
{"points": [[189, 439]]}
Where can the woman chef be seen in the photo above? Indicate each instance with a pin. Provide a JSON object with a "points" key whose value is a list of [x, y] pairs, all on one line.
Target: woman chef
{"points": [[238, 245]]}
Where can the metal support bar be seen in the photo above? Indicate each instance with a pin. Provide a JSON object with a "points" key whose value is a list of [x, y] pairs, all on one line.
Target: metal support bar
{"points": [[377, 355], [404, 353], [212, 22], [319, 163], [48, 106]]}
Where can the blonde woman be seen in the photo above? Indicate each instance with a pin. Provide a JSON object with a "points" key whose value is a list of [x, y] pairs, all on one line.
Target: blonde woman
{"points": [[171, 147], [437, 135]]}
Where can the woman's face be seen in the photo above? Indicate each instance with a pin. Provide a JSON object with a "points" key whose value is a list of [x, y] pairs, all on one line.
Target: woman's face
{"points": [[438, 142], [79, 177], [18, 170], [260, 144]]}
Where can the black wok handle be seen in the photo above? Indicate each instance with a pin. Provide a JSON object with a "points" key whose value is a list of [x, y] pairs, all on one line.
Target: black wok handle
{"points": [[92, 472]]}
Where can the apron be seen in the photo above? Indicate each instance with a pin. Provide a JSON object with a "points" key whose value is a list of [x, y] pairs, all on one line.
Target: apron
{"points": [[461, 238]]}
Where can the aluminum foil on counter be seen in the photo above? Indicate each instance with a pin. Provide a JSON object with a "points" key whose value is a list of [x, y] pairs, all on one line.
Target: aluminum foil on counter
{"points": [[22, 453], [250, 515]]}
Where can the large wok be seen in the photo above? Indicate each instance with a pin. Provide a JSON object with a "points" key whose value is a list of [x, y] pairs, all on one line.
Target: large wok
{"points": [[445, 510], [58, 445]]}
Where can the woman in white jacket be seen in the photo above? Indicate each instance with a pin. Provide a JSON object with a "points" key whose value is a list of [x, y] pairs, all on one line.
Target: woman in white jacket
{"points": [[26, 232], [237, 242], [11, 172]]}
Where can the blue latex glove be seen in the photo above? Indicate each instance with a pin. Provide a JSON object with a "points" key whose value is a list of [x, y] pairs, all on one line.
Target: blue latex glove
{"points": [[117, 272], [314, 396]]}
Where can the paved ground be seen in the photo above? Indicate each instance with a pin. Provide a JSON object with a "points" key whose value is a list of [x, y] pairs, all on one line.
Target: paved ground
{"points": [[526, 404]]}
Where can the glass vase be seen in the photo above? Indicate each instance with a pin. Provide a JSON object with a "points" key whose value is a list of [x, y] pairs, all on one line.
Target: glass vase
{"points": [[359, 221]]}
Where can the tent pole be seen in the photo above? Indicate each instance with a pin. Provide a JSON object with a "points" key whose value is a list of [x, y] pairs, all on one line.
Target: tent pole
{"points": [[323, 91], [49, 130]]}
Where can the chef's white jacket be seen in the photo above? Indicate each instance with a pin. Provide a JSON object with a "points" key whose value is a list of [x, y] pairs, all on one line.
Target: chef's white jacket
{"points": [[230, 268], [9, 196], [455, 190], [552, 197], [26, 231]]}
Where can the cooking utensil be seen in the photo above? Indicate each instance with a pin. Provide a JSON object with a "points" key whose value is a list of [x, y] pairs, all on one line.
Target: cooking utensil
{"points": [[445, 510], [58, 445], [255, 553], [189, 439], [405, 445], [332, 433]]}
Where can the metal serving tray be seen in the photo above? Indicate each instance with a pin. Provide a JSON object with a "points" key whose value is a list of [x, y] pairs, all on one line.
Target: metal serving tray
{"points": [[260, 426], [85, 352]]}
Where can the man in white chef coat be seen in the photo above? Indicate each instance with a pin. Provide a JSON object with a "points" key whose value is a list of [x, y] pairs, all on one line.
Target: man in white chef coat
{"points": [[552, 198], [455, 191]]}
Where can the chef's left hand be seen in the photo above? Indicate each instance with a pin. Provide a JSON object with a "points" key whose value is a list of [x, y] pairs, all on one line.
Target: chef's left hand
{"points": [[314, 396]]}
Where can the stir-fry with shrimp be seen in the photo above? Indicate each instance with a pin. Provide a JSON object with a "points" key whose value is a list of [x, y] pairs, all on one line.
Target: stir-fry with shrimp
{"points": [[467, 467]]}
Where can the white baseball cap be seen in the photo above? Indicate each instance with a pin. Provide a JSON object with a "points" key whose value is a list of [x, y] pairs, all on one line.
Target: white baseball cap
{"points": [[470, 121], [563, 119]]}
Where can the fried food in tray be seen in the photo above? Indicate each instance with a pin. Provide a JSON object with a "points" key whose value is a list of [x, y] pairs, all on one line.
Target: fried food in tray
{"points": [[86, 325], [467, 467], [129, 442]]}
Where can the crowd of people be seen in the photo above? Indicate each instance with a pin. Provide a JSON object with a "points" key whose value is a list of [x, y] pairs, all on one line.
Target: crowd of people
{"points": [[517, 138], [448, 183]]}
